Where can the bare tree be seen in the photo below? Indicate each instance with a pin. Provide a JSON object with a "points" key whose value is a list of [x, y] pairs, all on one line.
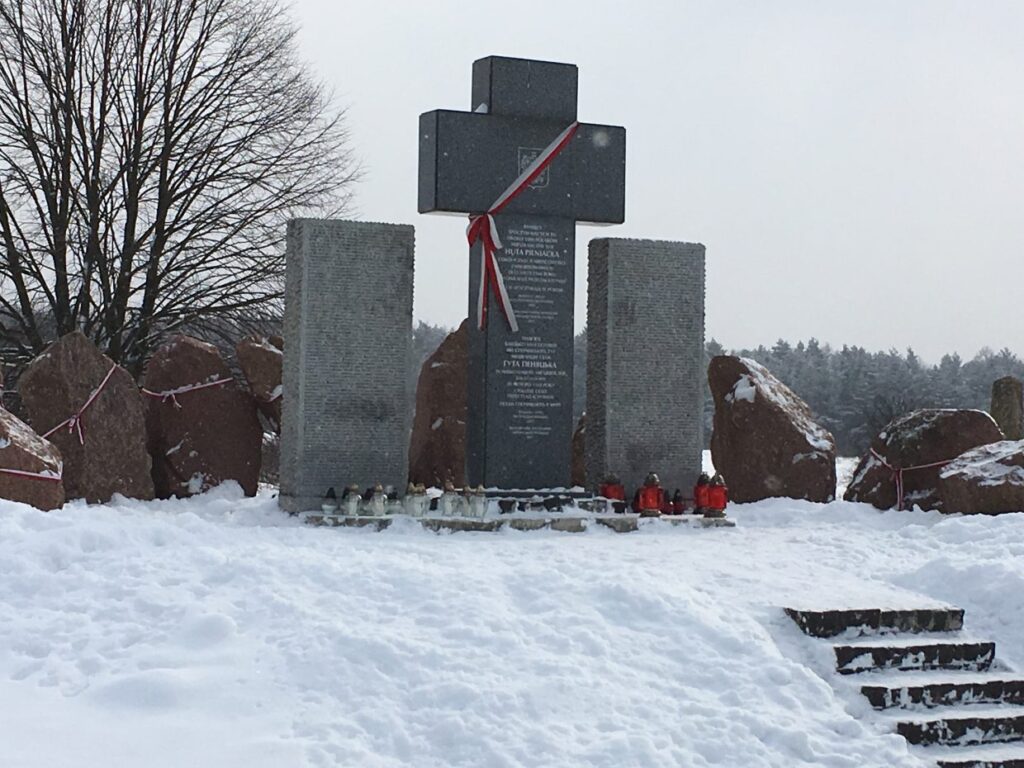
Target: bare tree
{"points": [[150, 152]]}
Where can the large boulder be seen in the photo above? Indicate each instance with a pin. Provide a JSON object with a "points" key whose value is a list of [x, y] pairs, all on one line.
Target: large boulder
{"points": [[1008, 406], [987, 480], [765, 440], [913, 449], [95, 413], [437, 448], [260, 359], [203, 429], [30, 467]]}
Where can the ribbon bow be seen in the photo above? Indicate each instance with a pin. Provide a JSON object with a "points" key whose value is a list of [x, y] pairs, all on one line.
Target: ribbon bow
{"points": [[74, 422], [171, 395], [897, 473], [483, 228]]}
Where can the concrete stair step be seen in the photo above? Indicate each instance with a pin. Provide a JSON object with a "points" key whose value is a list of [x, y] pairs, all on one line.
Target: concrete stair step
{"points": [[943, 693], [981, 756], [960, 727], [874, 620], [851, 659], [896, 679], [911, 640]]}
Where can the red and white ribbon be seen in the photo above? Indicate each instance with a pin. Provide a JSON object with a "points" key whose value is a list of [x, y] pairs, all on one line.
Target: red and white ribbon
{"points": [[171, 395], [482, 227], [74, 422], [897, 473], [33, 475]]}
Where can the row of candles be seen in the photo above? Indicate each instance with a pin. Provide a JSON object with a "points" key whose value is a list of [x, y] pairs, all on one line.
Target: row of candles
{"points": [[710, 497], [379, 501]]}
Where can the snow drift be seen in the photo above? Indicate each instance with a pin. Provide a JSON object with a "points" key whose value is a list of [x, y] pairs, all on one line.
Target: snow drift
{"points": [[217, 632]]}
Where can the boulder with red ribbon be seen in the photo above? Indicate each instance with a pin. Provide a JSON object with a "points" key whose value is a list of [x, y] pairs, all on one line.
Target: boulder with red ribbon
{"points": [[260, 358], [203, 429], [30, 467], [78, 399], [901, 469]]}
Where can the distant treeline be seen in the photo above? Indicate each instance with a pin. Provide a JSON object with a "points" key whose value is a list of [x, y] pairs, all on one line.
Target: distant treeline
{"points": [[853, 393]]}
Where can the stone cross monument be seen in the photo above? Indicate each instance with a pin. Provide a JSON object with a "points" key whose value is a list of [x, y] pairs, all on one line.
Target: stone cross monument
{"points": [[526, 172]]}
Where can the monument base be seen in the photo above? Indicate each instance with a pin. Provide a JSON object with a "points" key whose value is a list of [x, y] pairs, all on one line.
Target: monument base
{"points": [[295, 504], [624, 523], [542, 493]]}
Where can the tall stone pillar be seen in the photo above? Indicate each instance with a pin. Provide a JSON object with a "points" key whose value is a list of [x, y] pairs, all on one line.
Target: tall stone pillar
{"points": [[348, 340], [1008, 406], [645, 361]]}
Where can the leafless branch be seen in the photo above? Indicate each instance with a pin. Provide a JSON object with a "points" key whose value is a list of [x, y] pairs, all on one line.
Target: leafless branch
{"points": [[150, 153]]}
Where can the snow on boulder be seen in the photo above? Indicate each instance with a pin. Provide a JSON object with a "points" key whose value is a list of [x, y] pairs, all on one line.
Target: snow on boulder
{"points": [[30, 467], [912, 450], [765, 440], [437, 448], [260, 359], [94, 410], [987, 480], [203, 430]]}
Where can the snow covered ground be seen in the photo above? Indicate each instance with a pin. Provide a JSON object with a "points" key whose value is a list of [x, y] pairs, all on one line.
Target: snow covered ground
{"points": [[218, 632]]}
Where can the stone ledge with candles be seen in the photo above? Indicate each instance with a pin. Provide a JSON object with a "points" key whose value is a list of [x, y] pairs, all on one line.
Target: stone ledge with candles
{"points": [[487, 510]]}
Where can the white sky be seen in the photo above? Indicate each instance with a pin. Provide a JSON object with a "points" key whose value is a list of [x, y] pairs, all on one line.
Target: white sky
{"points": [[855, 169]]}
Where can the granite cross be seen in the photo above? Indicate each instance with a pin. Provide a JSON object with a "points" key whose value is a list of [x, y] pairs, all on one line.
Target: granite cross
{"points": [[520, 385]]}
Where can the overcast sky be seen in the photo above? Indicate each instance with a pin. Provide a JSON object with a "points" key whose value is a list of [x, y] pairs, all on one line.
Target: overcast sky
{"points": [[855, 169]]}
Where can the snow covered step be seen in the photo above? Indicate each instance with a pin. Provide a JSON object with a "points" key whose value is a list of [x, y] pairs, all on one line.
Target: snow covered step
{"points": [[874, 620], [911, 641], [962, 727], [944, 692], [628, 523], [1012, 762], [851, 659], [981, 756]]}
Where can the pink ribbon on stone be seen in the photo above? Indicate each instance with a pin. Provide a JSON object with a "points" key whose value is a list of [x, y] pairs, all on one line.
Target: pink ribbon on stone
{"points": [[897, 473], [74, 422], [171, 395], [34, 475]]}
